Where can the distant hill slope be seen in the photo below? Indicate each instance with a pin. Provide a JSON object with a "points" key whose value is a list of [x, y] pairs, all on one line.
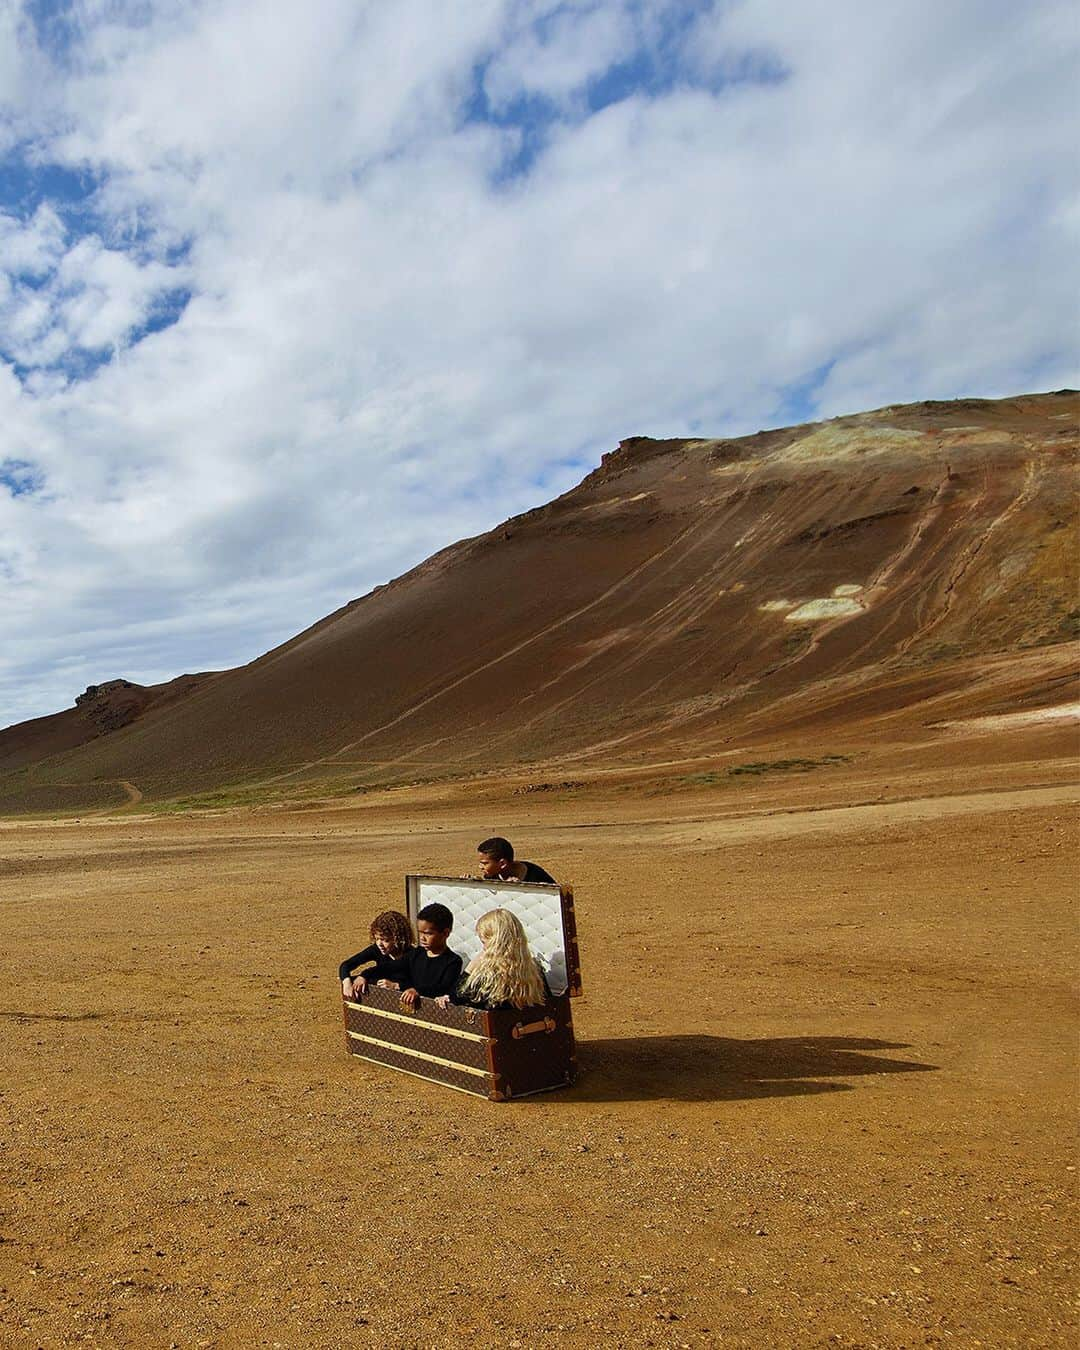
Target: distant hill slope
{"points": [[916, 561], [101, 709]]}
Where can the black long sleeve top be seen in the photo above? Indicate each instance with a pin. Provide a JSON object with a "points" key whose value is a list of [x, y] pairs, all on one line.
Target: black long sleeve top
{"points": [[386, 967], [431, 976]]}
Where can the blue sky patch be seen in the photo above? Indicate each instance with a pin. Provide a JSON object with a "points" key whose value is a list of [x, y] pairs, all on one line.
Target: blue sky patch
{"points": [[20, 477], [800, 401], [648, 69], [531, 117], [168, 307], [24, 186], [56, 27]]}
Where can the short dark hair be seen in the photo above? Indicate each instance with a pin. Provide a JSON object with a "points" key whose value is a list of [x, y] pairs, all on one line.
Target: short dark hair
{"points": [[437, 914], [497, 847]]}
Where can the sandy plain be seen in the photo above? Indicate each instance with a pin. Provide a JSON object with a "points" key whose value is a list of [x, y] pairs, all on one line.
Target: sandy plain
{"points": [[828, 1053]]}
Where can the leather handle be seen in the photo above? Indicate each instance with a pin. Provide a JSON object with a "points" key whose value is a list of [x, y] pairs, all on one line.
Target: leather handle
{"points": [[547, 1025]]}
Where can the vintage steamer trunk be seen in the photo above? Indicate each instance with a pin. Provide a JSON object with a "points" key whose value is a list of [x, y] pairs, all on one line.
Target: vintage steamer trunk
{"points": [[499, 1055]]}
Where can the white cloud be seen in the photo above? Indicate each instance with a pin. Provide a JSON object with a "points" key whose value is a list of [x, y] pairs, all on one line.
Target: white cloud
{"points": [[388, 346], [58, 297], [32, 247]]}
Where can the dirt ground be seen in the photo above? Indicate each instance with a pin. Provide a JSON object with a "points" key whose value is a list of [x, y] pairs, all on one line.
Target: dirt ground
{"points": [[828, 1091]]}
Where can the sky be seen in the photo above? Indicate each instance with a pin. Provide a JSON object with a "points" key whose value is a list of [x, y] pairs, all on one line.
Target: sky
{"points": [[294, 294]]}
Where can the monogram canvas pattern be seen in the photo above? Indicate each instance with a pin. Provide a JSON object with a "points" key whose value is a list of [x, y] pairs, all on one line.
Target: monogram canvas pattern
{"points": [[478, 1085], [369, 1027], [453, 1019]]}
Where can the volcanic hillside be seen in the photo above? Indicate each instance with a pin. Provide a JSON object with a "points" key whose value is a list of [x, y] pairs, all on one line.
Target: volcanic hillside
{"points": [[907, 566]]}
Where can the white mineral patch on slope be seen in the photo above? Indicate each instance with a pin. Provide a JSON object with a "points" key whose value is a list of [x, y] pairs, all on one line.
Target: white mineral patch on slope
{"points": [[610, 503], [834, 607], [961, 436], [854, 442], [1064, 712], [847, 589], [771, 606]]}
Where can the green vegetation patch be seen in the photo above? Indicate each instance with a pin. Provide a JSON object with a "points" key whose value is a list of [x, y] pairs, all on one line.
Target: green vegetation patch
{"points": [[755, 768], [240, 795], [208, 801]]}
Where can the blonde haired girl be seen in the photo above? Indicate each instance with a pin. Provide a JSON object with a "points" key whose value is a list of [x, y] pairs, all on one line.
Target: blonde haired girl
{"points": [[506, 973]]}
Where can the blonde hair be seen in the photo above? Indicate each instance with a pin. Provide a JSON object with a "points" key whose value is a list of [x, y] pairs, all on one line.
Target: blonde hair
{"points": [[506, 970]]}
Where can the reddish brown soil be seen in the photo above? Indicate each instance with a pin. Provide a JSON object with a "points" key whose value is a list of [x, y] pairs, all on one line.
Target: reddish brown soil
{"points": [[827, 1040]]}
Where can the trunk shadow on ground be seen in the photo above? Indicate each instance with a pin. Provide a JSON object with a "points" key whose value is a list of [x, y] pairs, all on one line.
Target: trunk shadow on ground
{"points": [[718, 1068]]}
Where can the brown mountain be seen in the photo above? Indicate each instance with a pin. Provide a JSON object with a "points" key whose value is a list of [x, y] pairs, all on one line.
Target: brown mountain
{"points": [[902, 567]]}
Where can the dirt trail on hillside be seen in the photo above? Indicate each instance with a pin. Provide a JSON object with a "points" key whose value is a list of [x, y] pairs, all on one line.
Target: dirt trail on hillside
{"points": [[828, 1087], [561, 622]]}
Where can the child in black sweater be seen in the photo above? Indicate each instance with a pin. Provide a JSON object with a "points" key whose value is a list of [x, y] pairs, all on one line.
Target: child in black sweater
{"points": [[391, 943], [432, 968]]}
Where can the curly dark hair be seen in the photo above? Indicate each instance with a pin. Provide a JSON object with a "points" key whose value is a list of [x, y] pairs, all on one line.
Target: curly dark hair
{"points": [[394, 925]]}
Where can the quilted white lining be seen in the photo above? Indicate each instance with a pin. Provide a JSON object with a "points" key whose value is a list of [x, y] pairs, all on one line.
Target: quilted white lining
{"points": [[538, 907]]}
